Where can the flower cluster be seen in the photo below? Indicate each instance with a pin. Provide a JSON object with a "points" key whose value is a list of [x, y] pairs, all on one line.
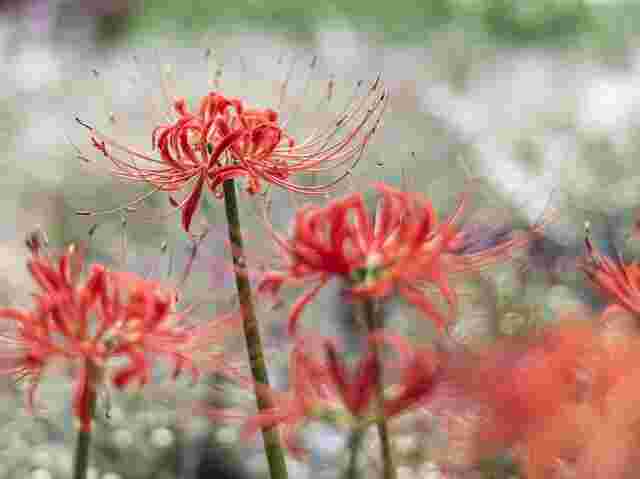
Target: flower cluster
{"points": [[87, 324], [224, 139], [401, 249]]}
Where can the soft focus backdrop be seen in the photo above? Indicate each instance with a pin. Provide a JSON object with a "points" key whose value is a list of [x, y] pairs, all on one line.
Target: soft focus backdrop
{"points": [[540, 98]]}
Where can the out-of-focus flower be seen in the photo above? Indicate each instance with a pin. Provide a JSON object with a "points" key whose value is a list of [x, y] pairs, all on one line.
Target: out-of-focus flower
{"points": [[513, 387], [595, 433], [224, 138], [419, 371], [404, 248], [89, 323], [562, 401], [324, 390]]}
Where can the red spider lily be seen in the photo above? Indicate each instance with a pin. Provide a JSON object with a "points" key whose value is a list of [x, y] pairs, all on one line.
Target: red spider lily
{"points": [[402, 249], [87, 323], [595, 435], [515, 385], [398, 249], [618, 281], [224, 139], [324, 390]]}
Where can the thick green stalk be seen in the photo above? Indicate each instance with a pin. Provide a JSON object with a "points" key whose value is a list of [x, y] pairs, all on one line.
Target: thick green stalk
{"points": [[273, 449], [373, 321], [83, 441]]}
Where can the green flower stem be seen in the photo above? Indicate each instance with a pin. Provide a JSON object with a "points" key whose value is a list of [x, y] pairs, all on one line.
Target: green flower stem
{"points": [[273, 449], [355, 444], [374, 321], [83, 441]]}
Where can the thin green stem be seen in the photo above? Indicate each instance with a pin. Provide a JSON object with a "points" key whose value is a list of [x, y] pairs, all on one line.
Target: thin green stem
{"points": [[374, 321], [355, 444], [83, 441], [273, 449], [81, 458]]}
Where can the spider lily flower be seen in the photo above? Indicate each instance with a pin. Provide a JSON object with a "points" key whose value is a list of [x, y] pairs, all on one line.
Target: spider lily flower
{"points": [[87, 324], [402, 249], [324, 390], [516, 384], [224, 138], [619, 282], [399, 248]]}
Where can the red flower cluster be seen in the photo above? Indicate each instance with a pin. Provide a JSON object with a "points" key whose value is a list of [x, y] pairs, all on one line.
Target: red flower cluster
{"points": [[225, 139], [499, 397], [403, 248], [573, 410], [87, 323], [324, 390]]}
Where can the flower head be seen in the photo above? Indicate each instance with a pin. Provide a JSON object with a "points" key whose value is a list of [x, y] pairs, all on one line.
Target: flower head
{"points": [[399, 248], [89, 323], [403, 248], [224, 138]]}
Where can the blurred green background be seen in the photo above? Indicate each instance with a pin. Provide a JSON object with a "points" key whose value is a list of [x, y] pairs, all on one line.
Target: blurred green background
{"points": [[540, 98]]}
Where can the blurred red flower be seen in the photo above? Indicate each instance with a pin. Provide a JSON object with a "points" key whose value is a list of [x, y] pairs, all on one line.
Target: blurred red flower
{"points": [[324, 390], [88, 323]]}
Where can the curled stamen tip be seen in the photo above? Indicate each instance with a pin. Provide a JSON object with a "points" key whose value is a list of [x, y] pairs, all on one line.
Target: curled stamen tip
{"points": [[36, 239], [86, 125], [587, 238], [376, 83]]}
